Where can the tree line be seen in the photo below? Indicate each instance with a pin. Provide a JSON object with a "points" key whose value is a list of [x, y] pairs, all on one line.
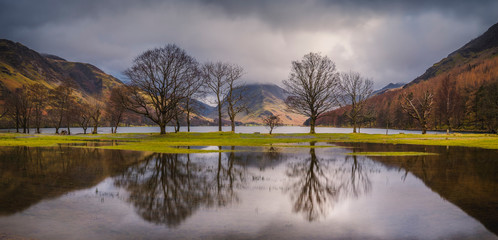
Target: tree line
{"points": [[463, 98]]}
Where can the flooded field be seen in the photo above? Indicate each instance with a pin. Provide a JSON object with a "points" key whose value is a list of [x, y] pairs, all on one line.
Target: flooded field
{"points": [[274, 192]]}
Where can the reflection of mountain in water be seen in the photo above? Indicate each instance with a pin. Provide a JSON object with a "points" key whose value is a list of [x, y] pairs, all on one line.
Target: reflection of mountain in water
{"points": [[29, 175], [465, 177]]}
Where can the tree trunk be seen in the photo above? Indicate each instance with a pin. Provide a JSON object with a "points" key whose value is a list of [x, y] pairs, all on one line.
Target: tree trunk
{"points": [[354, 126], [84, 130], [233, 124], [312, 124], [56, 130], [219, 117], [68, 130], [188, 121], [424, 127], [163, 128], [95, 129]]}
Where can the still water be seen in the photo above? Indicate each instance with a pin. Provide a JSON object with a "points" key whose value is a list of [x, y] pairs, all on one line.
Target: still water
{"points": [[269, 192], [238, 129]]}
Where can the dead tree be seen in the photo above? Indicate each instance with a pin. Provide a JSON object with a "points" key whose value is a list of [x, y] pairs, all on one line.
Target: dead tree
{"points": [[354, 90], [158, 83], [312, 84], [418, 109]]}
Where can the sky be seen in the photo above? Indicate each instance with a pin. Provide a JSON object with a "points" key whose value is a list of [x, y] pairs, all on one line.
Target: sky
{"points": [[384, 40]]}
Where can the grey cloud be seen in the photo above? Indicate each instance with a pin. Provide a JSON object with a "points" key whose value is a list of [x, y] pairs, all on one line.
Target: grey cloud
{"points": [[388, 40]]}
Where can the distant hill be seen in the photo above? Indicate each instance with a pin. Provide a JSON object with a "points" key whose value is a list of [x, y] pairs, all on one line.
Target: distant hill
{"points": [[20, 66], [387, 88], [263, 100], [485, 46]]}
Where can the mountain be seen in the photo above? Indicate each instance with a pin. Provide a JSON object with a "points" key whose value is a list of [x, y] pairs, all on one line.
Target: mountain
{"points": [[485, 46], [263, 100], [387, 88], [20, 66], [465, 76], [267, 99]]}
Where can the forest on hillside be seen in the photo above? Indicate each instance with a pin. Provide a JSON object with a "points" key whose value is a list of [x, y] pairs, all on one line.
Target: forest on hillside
{"points": [[463, 98]]}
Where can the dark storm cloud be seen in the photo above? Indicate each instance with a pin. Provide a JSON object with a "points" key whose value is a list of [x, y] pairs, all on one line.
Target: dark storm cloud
{"points": [[387, 40]]}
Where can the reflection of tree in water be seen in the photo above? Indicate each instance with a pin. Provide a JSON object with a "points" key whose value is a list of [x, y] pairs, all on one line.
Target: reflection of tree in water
{"points": [[168, 188], [318, 186], [358, 182]]}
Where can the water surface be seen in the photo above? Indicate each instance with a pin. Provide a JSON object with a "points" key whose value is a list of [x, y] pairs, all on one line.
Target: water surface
{"points": [[255, 192]]}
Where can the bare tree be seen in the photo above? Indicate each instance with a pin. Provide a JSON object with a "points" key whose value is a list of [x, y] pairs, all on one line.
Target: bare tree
{"points": [[235, 95], [418, 109], [446, 100], [158, 83], [39, 97], [194, 89], [20, 107], [12, 104], [312, 84], [83, 116], [354, 90], [96, 110], [115, 109], [61, 98], [215, 75], [272, 121]]}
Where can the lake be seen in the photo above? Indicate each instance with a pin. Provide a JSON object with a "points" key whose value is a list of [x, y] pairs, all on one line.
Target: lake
{"points": [[238, 129], [273, 192]]}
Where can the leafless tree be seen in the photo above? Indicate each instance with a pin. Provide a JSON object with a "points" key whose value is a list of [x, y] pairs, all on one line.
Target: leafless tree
{"points": [[13, 108], [61, 99], [312, 84], [446, 100], [354, 90], [38, 95], [271, 122], [195, 89], [96, 112], [418, 108], [19, 108], [83, 116], [158, 83], [216, 75], [115, 108], [235, 95]]}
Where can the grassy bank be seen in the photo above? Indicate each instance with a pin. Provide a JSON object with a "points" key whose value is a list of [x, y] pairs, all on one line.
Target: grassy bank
{"points": [[178, 142]]}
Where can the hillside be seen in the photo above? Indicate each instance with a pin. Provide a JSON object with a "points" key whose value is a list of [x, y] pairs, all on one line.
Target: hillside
{"points": [[20, 66], [485, 46], [461, 85], [263, 100]]}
